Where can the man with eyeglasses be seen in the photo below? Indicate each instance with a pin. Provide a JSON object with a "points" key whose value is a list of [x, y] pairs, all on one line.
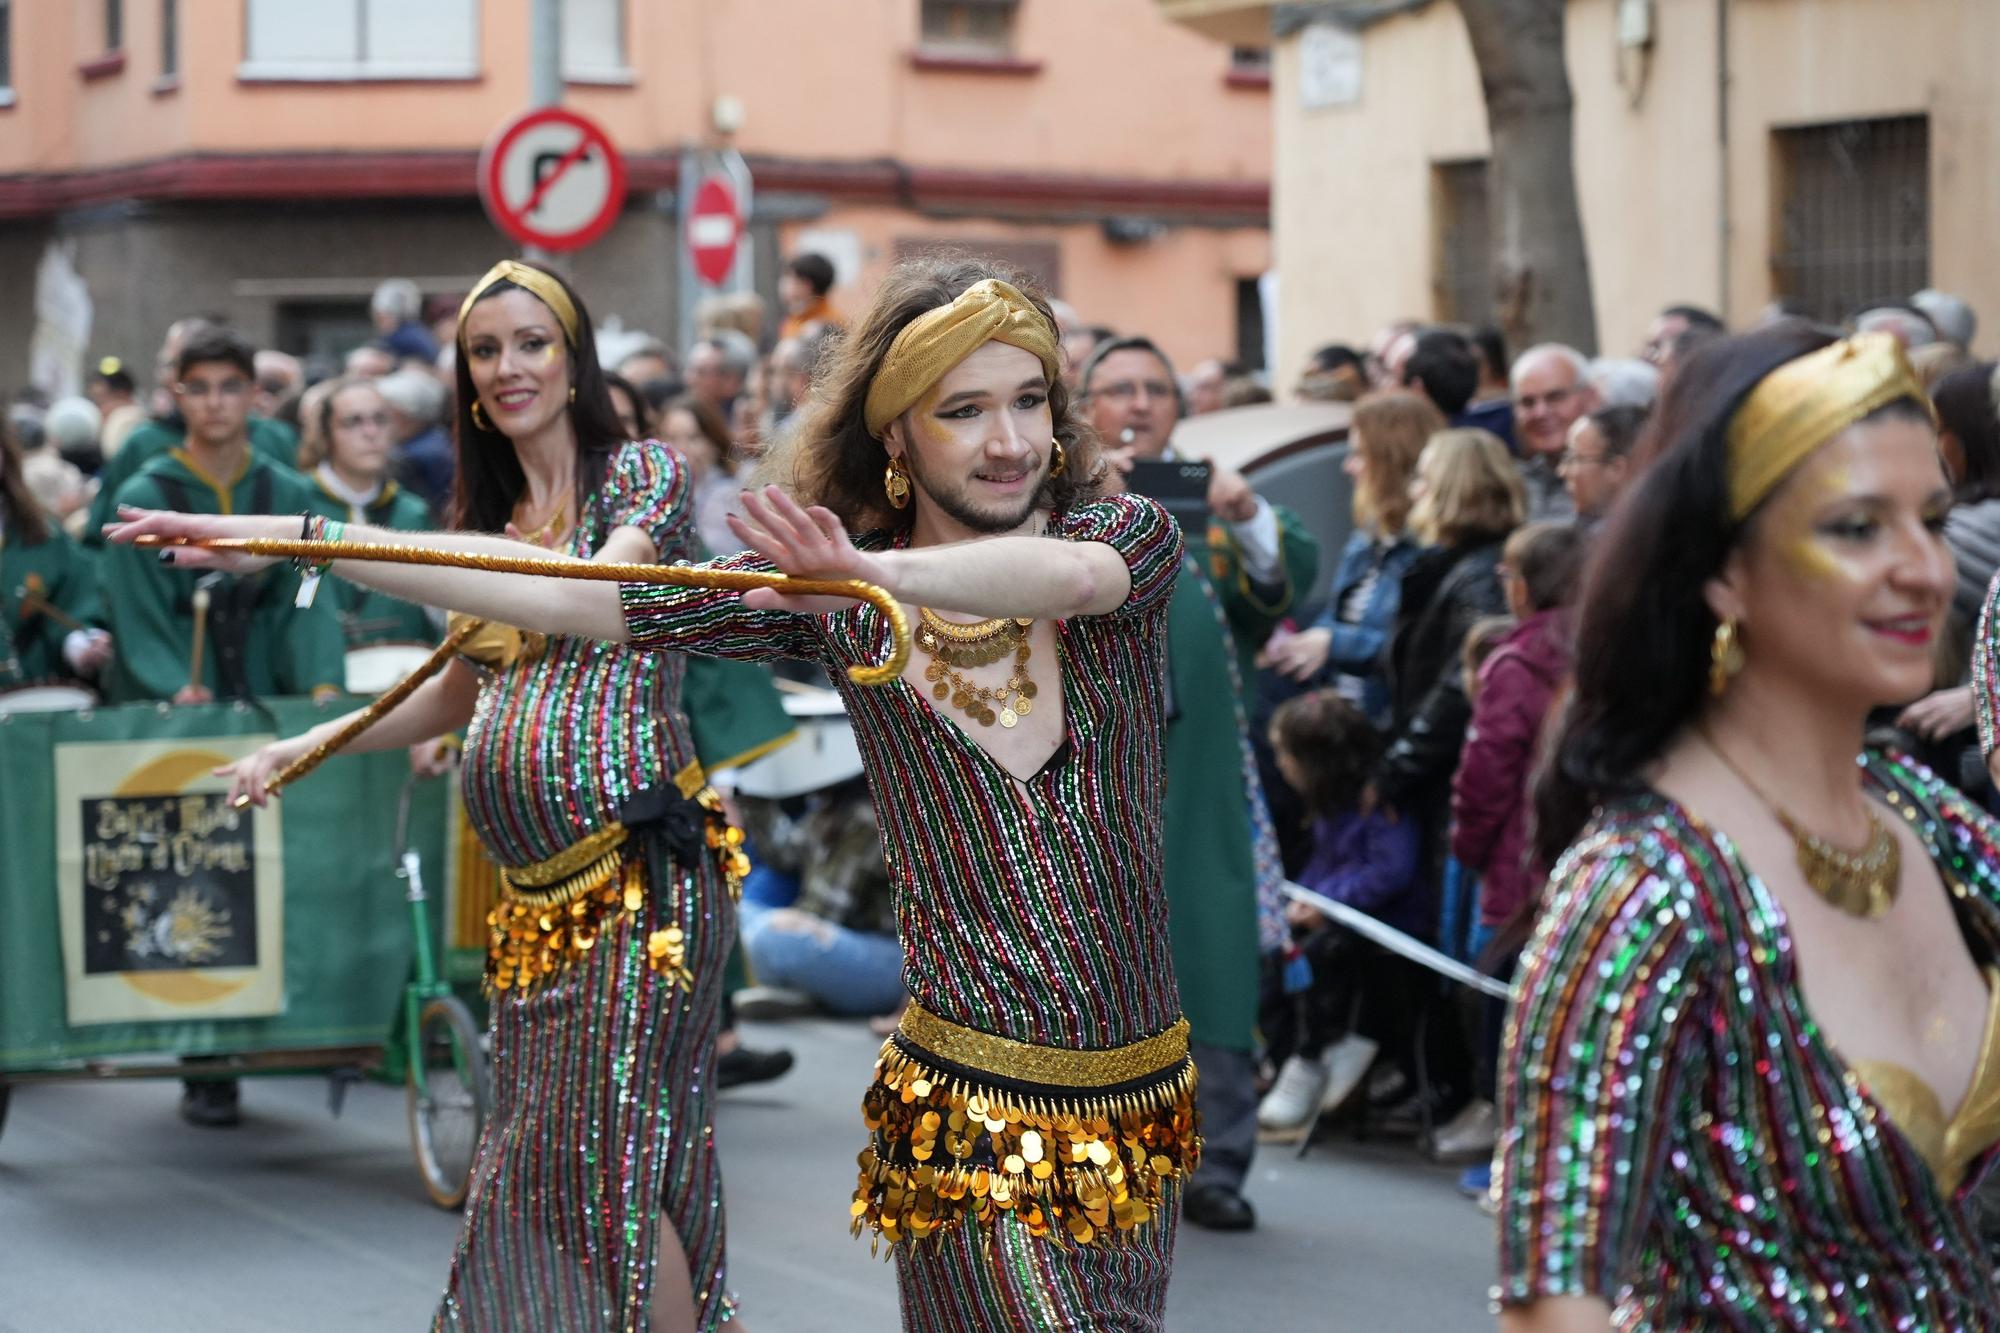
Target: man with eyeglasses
{"points": [[271, 438], [1242, 574], [254, 641], [1551, 392]]}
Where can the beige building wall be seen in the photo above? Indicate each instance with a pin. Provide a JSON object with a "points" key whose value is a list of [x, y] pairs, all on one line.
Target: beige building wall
{"points": [[1354, 207]]}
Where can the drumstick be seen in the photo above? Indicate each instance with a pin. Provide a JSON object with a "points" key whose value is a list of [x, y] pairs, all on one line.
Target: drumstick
{"points": [[200, 631], [33, 603], [374, 712], [683, 576]]}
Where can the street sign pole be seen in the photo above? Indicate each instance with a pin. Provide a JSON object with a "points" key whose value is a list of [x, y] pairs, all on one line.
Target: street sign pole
{"points": [[545, 81], [700, 165]]}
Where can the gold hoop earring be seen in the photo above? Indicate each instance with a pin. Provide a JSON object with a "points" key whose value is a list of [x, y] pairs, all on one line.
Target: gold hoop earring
{"points": [[572, 393], [1058, 459], [896, 483], [1725, 657], [479, 417]]}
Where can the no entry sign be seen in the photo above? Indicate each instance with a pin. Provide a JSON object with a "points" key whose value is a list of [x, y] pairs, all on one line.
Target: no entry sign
{"points": [[550, 177], [714, 226]]}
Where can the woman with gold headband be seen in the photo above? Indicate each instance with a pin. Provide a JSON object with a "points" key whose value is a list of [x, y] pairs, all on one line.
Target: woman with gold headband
{"points": [[1752, 1068], [596, 1200], [1032, 1119]]}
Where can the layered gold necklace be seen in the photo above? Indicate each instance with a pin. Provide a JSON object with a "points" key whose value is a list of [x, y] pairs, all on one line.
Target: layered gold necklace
{"points": [[555, 525], [955, 649], [1863, 883]]}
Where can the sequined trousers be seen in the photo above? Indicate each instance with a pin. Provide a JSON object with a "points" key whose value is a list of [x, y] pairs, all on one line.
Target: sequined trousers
{"points": [[1027, 1189], [602, 1120]]}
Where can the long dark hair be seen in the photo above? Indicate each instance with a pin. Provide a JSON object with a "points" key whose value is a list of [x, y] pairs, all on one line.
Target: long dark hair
{"points": [[1334, 745], [1644, 628], [490, 480], [1965, 406], [830, 458], [25, 521]]}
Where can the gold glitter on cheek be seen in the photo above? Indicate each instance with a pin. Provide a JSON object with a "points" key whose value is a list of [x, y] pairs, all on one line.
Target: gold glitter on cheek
{"points": [[1810, 553]]}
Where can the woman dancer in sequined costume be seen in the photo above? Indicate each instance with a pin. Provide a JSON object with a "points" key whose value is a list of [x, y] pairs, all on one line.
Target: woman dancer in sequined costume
{"points": [[1033, 1118], [1752, 1070], [616, 913]]}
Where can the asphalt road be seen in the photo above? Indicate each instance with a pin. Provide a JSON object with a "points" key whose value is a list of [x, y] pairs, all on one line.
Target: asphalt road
{"points": [[115, 1215]]}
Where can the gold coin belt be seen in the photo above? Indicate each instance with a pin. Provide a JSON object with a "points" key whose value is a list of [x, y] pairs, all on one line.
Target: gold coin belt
{"points": [[954, 648], [1076, 1167]]}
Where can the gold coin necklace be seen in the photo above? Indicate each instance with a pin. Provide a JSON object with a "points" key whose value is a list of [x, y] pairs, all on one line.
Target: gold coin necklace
{"points": [[549, 529], [1863, 883], [956, 648]]}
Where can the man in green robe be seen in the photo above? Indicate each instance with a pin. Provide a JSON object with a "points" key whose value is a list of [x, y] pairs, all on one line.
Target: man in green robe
{"points": [[1248, 562], [253, 639]]}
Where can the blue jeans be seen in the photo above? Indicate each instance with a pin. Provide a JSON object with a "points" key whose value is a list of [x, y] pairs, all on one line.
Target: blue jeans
{"points": [[849, 972]]}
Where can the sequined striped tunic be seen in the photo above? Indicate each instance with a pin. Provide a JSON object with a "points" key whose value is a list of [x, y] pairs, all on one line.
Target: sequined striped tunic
{"points": [[1031, 910], [600, 1129], [1679, 1138]]}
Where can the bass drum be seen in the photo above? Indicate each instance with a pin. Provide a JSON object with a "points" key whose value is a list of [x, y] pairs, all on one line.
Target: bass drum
{"points": [[46, 699], [378, 667]]}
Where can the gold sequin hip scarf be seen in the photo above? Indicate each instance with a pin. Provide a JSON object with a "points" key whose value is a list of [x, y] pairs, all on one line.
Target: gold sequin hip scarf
{"points": [[1078, 1145], [552, 914]]}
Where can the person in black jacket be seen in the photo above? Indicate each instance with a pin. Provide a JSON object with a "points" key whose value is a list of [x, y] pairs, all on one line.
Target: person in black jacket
{"points": [[1469, 497]]}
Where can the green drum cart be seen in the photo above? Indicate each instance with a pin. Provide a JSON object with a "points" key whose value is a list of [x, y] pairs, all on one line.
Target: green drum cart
{"points": [[146, 935]]}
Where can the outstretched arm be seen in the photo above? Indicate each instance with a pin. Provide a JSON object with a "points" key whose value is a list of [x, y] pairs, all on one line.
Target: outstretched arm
{"points": [[538, 602]]}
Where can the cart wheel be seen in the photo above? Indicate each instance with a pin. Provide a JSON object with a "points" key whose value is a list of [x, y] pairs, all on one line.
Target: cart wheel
{"points": [[448, 1108]]}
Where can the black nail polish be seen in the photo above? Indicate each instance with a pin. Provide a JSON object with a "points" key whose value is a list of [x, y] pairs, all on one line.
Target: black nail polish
{"points": [[166, 557]]}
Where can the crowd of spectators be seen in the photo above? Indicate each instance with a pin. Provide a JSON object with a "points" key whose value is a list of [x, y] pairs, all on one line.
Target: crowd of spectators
{"points": [[1389, 731]]}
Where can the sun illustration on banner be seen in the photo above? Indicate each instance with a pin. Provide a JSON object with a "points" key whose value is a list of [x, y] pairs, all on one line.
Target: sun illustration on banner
{"points": [[189, 930]]}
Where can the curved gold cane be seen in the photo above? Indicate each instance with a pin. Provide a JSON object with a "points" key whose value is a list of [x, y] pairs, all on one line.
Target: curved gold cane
{"points": [[687, 576], [684, 576]]}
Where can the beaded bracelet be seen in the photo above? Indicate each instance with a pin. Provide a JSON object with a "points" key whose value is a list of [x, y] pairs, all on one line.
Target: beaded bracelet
{"points": [[314, 528]]}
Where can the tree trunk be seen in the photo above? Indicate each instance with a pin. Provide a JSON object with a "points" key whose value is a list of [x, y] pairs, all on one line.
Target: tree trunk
{"points": [[1541, 269]]}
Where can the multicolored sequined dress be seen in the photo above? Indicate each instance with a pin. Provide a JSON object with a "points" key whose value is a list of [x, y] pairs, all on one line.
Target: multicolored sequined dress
{"points": [[1033, 1118], [605, 969], [1680, 1140]]}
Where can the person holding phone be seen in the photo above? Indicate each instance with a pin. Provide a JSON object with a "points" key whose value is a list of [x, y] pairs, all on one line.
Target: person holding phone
{"points": [[1245, 570]]}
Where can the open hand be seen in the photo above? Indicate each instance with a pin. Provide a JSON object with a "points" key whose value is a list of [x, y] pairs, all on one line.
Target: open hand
{"points": [[135, 523], [251, 776], [1297, 656], [804, 543]]}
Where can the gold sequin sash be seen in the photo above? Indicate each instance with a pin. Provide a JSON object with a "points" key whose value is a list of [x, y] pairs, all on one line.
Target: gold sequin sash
{"points": [[552, 913], [1078, 1145]]}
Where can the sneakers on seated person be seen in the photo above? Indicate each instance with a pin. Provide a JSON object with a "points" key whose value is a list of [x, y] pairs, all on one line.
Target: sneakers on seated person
{"points": [[1294, 1100], [1347, 1065]]}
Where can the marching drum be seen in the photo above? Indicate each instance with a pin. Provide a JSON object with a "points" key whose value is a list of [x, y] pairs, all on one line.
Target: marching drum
{"points": [[46, 699], [377, 667]]}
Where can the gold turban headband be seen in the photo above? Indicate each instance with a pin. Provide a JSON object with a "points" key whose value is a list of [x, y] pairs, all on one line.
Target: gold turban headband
{"points": [[544, 288], [1806, 402], [935, 341]]}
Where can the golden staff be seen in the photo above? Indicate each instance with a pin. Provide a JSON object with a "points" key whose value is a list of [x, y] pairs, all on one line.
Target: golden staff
{"points": [[683, 576], [374, 712]]}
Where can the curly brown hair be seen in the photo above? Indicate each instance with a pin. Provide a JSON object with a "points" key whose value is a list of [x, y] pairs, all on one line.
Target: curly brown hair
{"points": [[830, 459]]}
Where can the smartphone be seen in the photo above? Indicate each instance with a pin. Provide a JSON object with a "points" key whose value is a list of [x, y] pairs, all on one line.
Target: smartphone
{"points": [[1181, 488]]}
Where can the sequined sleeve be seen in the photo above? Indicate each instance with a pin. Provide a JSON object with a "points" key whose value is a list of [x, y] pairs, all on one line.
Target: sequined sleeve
{"points": [[1986, 671], [715, 623], [648, 487], [1597, 1037], [1146, 536]]}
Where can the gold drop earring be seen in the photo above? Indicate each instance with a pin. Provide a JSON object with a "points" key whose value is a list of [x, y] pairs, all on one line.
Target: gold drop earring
{"points": [[1725, 657], [896, 484]]}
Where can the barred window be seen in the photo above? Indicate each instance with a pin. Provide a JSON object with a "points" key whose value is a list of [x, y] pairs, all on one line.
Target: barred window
{"points": [[1463, 264], [1854, 214]]}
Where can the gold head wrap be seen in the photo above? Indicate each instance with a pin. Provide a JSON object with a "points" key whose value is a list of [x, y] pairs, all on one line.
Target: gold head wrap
{"points": [[545, 289], [1806, 402], [935, 341]]}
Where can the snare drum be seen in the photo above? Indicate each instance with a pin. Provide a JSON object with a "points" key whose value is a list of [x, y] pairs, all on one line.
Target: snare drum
{"points": [[46, 699], [378, 667]]}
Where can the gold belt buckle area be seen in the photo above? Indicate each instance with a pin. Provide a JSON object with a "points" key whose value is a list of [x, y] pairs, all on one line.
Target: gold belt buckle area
{"points": [[565, 874], [1053, 1066]]}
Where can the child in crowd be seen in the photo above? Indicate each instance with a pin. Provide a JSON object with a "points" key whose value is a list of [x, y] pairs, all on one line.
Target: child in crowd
{"points": [[1362, 856], [1490, 794]]}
